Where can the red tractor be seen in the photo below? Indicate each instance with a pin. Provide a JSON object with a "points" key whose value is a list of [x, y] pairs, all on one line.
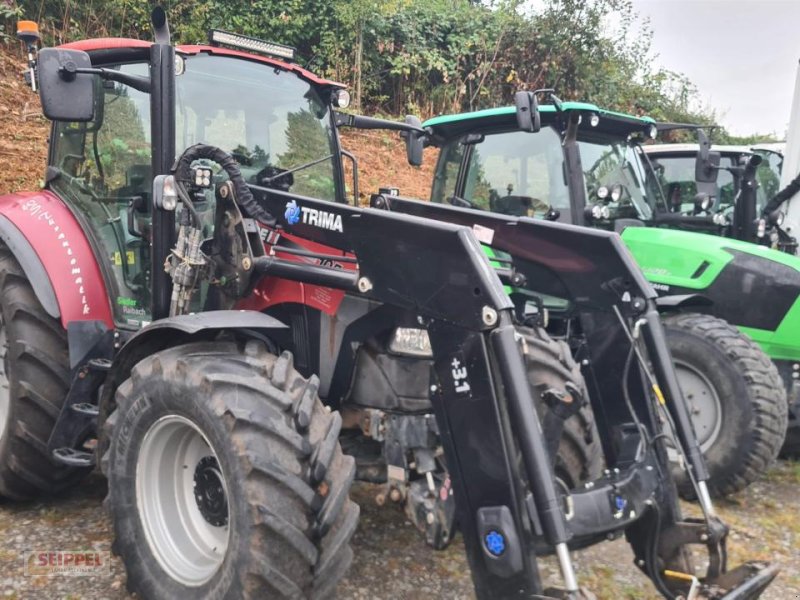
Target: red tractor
{"points": [[191, 304]]}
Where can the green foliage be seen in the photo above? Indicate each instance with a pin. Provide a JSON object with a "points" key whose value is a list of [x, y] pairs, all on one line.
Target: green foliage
{"points": [[423, 56]]}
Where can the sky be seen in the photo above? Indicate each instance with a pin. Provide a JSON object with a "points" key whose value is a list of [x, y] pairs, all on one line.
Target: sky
{"points": [[741, 54]]}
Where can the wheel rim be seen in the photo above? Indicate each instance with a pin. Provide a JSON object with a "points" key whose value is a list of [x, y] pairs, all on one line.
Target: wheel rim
{"points": [[5, 394], [182, 498], [705, 408]]}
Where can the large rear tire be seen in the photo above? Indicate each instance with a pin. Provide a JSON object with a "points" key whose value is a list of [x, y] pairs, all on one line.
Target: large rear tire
{"points": [[736, 399], [226, 478], [34, 380], [551, 367]]}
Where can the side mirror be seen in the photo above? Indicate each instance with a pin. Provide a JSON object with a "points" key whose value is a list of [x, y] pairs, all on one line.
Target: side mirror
{"points": [[66, 95], [528, 117], [414, 142], [707, 162]]}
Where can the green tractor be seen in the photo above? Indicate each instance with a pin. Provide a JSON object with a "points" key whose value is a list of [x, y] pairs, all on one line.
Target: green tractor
{"points": [[575, 163]]}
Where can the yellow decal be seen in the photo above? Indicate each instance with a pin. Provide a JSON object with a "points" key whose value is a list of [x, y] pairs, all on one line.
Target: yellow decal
{"points": [[130, 255]]}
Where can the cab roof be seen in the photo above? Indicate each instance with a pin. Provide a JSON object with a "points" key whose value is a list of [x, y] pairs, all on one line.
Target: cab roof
{"points": [[665, 149], [611, 122], [105, 44]]}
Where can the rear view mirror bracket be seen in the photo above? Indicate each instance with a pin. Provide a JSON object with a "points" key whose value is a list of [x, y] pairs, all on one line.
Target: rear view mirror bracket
{"points": [[707, 164]]}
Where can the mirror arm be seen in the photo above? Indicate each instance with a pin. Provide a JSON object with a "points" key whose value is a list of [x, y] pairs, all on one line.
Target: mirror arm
{"points": [[362, 122], [137, 82]]}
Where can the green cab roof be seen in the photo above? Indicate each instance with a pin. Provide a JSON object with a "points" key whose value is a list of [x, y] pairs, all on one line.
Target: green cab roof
{"points": [[458, 124]]}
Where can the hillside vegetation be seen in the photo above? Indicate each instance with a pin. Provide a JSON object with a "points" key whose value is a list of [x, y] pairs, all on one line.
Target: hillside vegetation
{"points": [[419, 56]]}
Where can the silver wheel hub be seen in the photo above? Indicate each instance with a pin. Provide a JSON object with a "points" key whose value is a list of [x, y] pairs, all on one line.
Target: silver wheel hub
{"points": [[702, 400], [182, 499]]}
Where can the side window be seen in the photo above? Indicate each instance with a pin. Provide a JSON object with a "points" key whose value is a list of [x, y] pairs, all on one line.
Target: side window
{"points": [[104, 170], [444, 181], [519, 174]]}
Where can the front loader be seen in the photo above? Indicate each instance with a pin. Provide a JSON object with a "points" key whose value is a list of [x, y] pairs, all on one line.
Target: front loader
{"points": [[186, 198]]}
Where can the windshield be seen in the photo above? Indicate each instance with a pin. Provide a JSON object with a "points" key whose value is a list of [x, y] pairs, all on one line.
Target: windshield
{"points": [[616, 164], [676, 173], [514, 173], [269, 120]]}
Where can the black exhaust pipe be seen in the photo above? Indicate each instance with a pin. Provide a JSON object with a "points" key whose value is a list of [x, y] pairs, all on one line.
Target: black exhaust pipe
{"points": [[160, 26]]}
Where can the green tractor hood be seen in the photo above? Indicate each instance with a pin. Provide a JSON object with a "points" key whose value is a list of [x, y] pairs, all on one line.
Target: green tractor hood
{"points": [[756, 288]]}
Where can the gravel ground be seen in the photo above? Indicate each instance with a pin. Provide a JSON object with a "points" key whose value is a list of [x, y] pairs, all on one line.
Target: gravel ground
{"points": [[391, 559]]}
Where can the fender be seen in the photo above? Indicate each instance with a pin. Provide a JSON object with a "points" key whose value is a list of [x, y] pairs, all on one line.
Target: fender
{"points": [[172, 331], [52, 248], [677, 301]]}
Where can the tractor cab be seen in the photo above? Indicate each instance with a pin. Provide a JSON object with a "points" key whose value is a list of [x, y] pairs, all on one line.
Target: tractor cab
{"points": [[583, 165], [273, 117], [734, 193]]}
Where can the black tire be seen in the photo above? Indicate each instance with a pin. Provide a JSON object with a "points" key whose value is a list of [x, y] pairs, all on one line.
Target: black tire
{"points": [[751, 401], [552, 367], [36, 373], [290, 514]]}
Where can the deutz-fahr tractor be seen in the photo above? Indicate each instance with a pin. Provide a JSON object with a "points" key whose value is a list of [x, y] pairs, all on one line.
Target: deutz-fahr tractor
{"points": [[191, 304], [731, 191], [582, 165]]}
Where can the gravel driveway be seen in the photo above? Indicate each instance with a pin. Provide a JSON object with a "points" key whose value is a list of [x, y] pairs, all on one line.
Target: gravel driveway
{"points": [[391, 560]]}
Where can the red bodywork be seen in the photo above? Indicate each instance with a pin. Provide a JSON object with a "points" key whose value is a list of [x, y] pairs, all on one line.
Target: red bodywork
{"points": [[65, 253], [272, 291]]}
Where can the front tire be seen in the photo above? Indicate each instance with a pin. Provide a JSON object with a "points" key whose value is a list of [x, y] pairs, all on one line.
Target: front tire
{"points": [[226, 478], [736, 399], [551, 366]]}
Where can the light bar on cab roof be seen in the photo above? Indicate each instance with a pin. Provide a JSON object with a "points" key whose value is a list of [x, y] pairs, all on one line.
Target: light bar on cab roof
{"points": [[217, 37]]}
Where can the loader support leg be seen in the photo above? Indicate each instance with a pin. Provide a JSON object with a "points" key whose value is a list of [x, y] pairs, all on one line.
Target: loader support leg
{"points": [[478, 445], [676, 405]]}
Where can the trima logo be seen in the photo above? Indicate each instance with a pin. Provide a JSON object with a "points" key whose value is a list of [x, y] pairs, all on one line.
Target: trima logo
{"points": [[292, 213], [312, 216]]}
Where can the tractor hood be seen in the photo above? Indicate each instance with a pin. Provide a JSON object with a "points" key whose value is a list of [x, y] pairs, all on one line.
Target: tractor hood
{"points": [[753, 287]]}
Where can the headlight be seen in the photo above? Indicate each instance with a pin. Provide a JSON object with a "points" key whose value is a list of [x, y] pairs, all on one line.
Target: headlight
{"points": [[340, 98], [594, 120], [652, 132], [602, 192], [600, 211], [165, 196], [616, 192], [411, 342]]}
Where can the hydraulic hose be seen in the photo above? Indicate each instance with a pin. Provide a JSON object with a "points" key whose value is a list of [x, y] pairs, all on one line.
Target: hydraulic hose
{"points": [[244, 197]]}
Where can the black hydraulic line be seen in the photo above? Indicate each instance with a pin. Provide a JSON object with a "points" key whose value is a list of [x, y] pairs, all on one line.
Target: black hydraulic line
{"points": [[244, 197], [528, 431], [354, 160], [665, 375], [303, 272], [782, 196]]}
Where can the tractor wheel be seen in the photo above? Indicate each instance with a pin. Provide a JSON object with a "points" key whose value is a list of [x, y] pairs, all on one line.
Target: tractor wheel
{"points": [[735, 397], [226, 479], [551, 367], [34, 379]]}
